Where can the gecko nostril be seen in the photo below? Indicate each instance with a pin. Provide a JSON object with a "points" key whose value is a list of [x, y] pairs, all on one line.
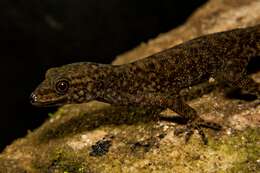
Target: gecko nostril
{"points": [[33, 98]]}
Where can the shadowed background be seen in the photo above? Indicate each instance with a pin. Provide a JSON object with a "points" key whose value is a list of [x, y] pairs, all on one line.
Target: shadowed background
{"points": [[36, 35]]}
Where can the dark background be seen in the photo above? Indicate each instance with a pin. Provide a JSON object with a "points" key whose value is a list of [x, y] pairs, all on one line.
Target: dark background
{"points": [[38, 34]]}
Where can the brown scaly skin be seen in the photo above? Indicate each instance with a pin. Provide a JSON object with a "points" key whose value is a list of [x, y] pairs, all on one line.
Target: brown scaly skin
{"points": [[157, 80]]}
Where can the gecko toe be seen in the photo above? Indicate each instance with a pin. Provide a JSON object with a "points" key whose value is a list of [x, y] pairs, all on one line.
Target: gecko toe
{"points": [[198, 125], [187, 133], [203, 136], [179, 131]]}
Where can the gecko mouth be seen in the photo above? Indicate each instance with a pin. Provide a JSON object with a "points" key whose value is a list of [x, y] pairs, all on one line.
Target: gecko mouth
{"points": [[50, 103]]}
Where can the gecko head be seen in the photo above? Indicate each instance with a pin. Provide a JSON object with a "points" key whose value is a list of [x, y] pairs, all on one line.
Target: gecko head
{"points": [[66, 84]]}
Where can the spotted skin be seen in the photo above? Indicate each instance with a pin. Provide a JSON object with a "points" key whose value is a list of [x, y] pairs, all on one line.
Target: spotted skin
{"points": [[157, 80]]}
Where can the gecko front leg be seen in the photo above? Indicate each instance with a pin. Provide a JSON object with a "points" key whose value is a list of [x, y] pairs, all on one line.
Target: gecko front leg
{"points": [[194, 122]]}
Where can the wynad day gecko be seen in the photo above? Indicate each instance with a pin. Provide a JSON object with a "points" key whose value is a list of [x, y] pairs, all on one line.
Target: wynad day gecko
{"points": [[155, 81]]}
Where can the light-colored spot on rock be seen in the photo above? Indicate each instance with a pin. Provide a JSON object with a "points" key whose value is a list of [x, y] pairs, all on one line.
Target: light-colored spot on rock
{"points": [[228, 20], [229, 131], [247, 118], [86, 139], [211, 80]]}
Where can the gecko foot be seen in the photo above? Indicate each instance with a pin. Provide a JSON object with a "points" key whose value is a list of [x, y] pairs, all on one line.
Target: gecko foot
{"points": [[197, 125]]}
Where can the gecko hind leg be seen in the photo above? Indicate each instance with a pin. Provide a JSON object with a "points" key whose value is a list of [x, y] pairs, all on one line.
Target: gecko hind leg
{"points": [[237, 78], [247, 84]]}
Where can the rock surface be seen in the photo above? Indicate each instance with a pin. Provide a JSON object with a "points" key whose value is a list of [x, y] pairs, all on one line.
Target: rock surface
{"points": [[97, 137]]}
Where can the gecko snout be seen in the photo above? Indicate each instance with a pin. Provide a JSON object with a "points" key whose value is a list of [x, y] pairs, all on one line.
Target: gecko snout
{"points": [[33, 98]]}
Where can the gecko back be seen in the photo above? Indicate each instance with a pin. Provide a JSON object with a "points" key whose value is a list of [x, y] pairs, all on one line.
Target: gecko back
{"points": [[220, 55]]}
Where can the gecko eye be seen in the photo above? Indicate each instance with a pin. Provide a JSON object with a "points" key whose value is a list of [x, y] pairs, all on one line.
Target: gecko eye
{"points": [[62, 86]]}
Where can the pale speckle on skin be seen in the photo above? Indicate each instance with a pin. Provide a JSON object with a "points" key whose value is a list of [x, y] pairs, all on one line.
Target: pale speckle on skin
{"points": [[75, 96], [81, 93]]}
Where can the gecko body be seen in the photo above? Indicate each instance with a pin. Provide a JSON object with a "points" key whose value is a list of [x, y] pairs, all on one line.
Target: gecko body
{"points": [[156, 81]]}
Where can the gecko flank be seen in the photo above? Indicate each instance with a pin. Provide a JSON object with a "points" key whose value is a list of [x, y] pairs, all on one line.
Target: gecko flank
{"points": [[157, 80]]}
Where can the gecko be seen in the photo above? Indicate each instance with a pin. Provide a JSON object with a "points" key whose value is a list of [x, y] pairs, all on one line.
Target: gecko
{"points": [[156, 81]]}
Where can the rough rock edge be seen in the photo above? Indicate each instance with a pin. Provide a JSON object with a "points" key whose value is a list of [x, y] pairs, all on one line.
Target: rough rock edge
{"points": [[214, 16], [139, 142]]}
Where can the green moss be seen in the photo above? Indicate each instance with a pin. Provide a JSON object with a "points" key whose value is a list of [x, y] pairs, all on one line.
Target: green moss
{"points": [[62, 160], [51, 114], [239, 152]]}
